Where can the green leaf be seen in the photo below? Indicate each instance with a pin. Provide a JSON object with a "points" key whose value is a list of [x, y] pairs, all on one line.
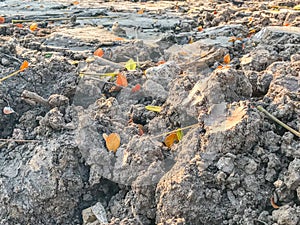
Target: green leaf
{"points": [[130, 65], [153, 108], [48, 55], [179, 134]]}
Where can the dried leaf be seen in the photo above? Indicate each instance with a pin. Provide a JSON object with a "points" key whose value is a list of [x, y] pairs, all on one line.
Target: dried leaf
{"points": [[153, 108], [273, 203], [191, 40], [130, 65], [99, 52], [119, 39], [33, 26], [179, 134], [141, 11], [75, 3], [90, 59], [136, 88], [141, 129], [113, 141], [161, 62], [286, 24], [121, 80], [171, 139], [215, 12], [227, 59], [19, 25], [24, 65], [2, 19], [200, 28], [8, 110]]}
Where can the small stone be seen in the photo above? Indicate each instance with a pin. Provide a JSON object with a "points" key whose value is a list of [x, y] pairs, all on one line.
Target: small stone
{"points": [[225, 164], [5, 62]]}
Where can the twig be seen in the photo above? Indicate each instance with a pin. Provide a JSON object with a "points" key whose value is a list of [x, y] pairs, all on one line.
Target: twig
{"points": [[278, 121], [62, 19], [18, 140], [179, 129], [10, 75]]}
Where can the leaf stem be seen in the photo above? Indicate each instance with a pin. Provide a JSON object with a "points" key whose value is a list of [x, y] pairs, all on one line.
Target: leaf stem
{"points": [[179, 129], [260, 108]]}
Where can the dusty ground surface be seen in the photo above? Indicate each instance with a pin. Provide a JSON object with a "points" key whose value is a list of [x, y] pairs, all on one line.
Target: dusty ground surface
{"points": [[233, 165]]}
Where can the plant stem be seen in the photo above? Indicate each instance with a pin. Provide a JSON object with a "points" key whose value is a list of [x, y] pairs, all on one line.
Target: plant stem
{"points": [[16, 140], [10, 75], [278, 121], [170, 132], [61, 19]]}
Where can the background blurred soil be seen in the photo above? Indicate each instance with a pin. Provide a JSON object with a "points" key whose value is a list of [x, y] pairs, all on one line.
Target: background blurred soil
{"points": [[233, 166]]}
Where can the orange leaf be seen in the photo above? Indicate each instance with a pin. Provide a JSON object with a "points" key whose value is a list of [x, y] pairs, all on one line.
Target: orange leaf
{"points": [[24, 65], [200, 28], [19, 25], [136, 88], [119, 39], [75, 3], [121, 80], [2, 19], [33, 27], [286, 24], [171, 139], [273, 203], [220, 67], [99, 52], [227, 59], [161, 62], [113, 141], [141, 11]]}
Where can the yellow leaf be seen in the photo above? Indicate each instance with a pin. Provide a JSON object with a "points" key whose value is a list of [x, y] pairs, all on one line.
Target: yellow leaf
{"points": [[171, 139], [113, 141], [297, 7], [33, 26], [130, 65], [153, 108], [90, 59]]}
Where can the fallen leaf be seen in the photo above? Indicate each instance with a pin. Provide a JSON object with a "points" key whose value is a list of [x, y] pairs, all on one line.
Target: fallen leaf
{"points": [[121, 80], [119, 39], [141, 129], [90, 59], [153, 108], [19, 25], [286, 24], [219, 67], [161, 62], [273, 203], [215, 12], [141, 11], [179, 134], [2, 19], [227, 59], [136, 88], [250, 19], [8, 110], [130, 65], [171, 139], [75, 3], [251, 31], [99, 52], [24, 65], [297, 7], [200, 28], [191, 40], [113, 141], [33, 26]]}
